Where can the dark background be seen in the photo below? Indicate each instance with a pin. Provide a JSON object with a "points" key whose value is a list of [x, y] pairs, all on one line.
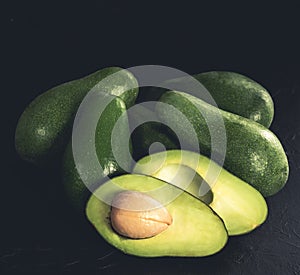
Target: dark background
{"points": [[44, 44]]}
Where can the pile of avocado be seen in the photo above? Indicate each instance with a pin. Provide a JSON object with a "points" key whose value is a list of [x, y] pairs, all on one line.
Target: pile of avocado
{"points": [[191, 224]]}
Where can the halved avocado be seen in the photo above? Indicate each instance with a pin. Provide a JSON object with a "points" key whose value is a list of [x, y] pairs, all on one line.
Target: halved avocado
{"points": [[196, 230], [241, 206]]}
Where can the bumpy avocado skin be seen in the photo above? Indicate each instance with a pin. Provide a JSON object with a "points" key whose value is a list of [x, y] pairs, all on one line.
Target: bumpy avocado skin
{"points": [[45, 126], [76, 189], [195, 231], [241, 206], [253, 152], [240, 95]]}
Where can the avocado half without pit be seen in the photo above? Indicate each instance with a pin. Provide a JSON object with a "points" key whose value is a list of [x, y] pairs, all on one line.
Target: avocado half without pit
{"points": [[135, 218], [241, 207]]}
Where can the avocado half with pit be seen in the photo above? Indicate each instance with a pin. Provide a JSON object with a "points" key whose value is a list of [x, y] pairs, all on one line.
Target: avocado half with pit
{"points": [[241, 206], [196, 230]]}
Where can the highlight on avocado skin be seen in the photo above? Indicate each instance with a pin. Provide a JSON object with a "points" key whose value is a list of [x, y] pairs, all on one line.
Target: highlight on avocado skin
{"points": [[167, 200]]}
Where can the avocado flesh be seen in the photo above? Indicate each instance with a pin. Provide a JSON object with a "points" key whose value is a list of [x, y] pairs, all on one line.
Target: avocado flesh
{"points": [[241, 206], [195, 231], [187, 179]]}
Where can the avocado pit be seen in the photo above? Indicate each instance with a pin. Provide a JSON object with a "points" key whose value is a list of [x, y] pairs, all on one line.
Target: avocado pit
{"points": [[137, 215]]}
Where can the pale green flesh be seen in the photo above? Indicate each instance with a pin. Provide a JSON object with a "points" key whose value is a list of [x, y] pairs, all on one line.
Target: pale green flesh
{"points": [[187, 179], [195, 231], [241, 206]]}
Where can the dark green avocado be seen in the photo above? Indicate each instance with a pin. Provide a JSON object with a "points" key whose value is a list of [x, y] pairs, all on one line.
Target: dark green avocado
{"points": [[45, 126], [240, 95]]}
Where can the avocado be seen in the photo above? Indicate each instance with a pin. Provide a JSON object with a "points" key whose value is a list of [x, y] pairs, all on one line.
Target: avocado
{"points": [[241, 206], [195, 229], [45, 126], [106, 164], [231, 91], [252, 152], [239, 94]]}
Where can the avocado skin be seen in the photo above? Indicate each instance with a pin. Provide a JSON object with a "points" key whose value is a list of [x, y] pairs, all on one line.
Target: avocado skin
{"points": [[45, 126], [232, 92], [253, 153], [196, 230], [76, 191], [241, 207], [240, 95]]}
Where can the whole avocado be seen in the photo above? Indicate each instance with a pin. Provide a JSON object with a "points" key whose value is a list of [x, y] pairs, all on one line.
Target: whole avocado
{"points": [[45, 126], [239, 94]]}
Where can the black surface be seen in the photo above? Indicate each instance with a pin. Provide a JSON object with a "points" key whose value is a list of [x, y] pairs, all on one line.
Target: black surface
{"points": [[45, 44]]}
